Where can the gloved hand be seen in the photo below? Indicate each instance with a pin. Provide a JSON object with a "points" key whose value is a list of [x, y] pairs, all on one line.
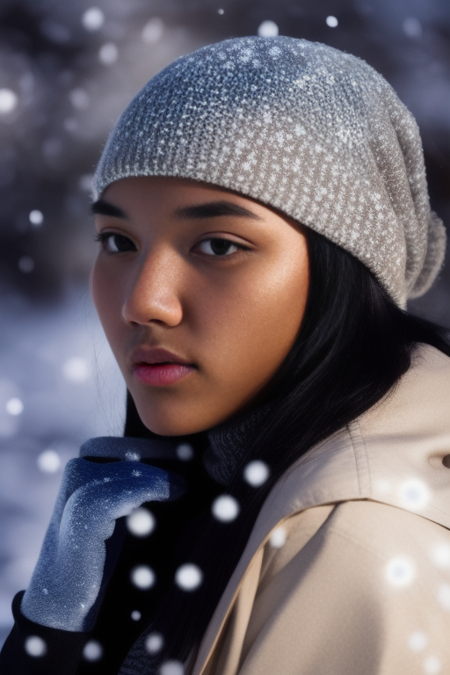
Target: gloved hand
{"points": [[69, 578]]}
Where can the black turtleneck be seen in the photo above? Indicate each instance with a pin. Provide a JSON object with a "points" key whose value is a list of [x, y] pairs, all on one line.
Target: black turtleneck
{"points": [[127, 610]]}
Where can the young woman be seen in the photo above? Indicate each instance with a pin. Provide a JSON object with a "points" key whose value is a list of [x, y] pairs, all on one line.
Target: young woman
{"points": [[263, 217]]}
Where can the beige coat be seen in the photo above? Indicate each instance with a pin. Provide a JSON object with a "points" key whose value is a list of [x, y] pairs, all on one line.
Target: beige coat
{"points": [[347, 569]]}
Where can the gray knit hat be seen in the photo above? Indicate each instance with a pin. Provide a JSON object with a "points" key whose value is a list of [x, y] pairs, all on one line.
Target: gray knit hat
{"points": [[302, 127]]}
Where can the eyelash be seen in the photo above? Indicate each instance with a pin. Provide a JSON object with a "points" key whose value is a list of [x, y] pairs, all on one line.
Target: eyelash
{"points": [[104, 237]]}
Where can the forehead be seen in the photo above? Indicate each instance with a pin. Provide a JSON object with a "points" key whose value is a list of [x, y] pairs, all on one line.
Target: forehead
{"points": [[184, 198]]}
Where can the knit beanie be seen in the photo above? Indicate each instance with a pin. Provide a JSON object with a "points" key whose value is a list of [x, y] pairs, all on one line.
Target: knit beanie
{"points": [[301, 127]]}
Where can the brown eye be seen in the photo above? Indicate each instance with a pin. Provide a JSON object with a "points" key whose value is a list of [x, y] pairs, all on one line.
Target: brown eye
{"points": [[218, 247], [116, 243]]}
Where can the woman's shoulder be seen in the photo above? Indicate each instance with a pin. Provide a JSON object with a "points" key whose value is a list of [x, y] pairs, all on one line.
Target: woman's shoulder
{"points": [[351, 587], [379, 530], [367, 574]]}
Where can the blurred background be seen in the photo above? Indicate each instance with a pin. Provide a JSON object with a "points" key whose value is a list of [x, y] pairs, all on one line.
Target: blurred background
{"points": [[67, 70]]}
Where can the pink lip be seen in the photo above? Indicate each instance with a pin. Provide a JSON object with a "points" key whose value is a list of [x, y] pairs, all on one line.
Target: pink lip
{"points": [[158, 367]]}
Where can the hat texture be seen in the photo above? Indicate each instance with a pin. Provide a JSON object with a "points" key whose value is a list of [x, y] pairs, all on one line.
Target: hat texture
{"points": [[299, 126]]}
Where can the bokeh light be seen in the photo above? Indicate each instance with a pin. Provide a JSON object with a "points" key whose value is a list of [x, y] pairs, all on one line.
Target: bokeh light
{"points": [[93, 651], [153, 31], [414, 494], [171, 668], [93, 19], [154, 643], [225, 508], [8, 101], [332, 21], [412, 27], [35, 646], [278, 537], [14, 406], [188, 577], [432, 665], [417, 641], [49, 461], [36, 217], [185, 452], [108, 53], [268, 29], [400, 571], [141, 522], [143, 577], [76, 369], [79, 98], [256, 473]]}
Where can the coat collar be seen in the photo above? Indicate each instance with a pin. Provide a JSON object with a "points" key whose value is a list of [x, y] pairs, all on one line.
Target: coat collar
{"points": [[392, 454]]}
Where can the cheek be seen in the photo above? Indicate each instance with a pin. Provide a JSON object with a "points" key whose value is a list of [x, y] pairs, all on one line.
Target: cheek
{"points": [[253, 333]]}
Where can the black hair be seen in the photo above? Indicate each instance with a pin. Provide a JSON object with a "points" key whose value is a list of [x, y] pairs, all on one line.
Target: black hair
{"points": [[353, 346]]}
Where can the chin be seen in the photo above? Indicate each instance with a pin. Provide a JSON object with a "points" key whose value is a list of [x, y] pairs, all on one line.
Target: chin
{"points": [[171, 425]]}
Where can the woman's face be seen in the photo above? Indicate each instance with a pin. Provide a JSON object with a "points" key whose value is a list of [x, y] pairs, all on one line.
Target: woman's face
{"points": [[215, 279]]}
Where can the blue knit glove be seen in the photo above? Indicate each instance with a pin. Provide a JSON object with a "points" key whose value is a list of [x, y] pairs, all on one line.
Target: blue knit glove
{"points": [[75, 563]]}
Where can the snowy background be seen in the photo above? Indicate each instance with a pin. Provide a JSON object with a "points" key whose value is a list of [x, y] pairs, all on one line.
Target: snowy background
{"points": [[67, 69]]}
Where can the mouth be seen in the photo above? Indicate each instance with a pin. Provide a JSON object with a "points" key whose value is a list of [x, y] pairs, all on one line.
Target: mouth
{"points": [[159, 367]]}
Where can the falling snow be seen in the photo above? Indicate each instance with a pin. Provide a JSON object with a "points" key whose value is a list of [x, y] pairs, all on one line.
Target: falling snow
{"points": [[400, 572], [256, 473], [417, 641], [35, 646], [225, 508], [93, 19], [153, 31], [278, 537], [36, 217], [66, 427], [108, 53], [412, 27], [268, 29], [143, 577], [185, 452], [432, 665], [8, 101], [171, 668], [76, 369], [414, 494], [141, 522], [14, 407], [49, 461], [93, 651], [188, 577], [79, 98], [154, 643]]}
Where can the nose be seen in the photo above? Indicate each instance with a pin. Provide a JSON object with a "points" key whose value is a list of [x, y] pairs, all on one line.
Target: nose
{"points": [[154, 293]]}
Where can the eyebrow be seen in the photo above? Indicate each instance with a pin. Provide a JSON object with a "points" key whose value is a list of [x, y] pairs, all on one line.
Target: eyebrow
{"points": [[104, 208], [195, 212], [215, 210]]}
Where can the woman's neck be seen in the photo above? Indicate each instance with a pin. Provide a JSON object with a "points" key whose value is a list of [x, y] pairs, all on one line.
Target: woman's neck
{"points": [[229, 443]]}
